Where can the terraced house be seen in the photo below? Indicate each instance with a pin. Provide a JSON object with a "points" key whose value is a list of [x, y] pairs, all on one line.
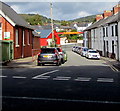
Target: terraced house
{"points": [[15, 31], [104, 34]]}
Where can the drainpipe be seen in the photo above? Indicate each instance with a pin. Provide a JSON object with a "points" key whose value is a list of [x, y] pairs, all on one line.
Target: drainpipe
{"points": [[22, 44], [118, 41]]}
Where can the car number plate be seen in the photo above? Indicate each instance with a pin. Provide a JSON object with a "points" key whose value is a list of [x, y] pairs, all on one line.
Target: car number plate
{"points": [[47, 56], [94, 55]]}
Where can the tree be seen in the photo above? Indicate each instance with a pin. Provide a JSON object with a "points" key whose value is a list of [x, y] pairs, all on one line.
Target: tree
{"points": [[65, 23]]}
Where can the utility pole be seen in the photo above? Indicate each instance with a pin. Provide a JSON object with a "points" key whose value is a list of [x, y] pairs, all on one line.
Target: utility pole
{"points": [[53, 39]]}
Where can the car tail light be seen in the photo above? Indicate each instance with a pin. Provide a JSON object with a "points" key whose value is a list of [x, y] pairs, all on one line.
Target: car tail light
{"points": [[39, 54], [60, 50]]}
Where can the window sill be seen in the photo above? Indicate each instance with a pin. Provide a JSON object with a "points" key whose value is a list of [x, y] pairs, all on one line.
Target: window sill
{"points": [[17, 46]]}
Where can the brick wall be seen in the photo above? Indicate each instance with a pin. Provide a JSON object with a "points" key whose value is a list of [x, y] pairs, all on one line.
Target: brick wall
{"points": [[21, 51], [36, 45], [28, 46], [7, 27], [26, 50]]}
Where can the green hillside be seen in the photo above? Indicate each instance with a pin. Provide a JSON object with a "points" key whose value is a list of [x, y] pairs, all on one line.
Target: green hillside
{"points": [[35, 19], [85, 19]]}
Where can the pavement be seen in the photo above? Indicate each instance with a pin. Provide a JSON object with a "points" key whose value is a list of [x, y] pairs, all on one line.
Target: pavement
{"points": [[112, 62], [29, 63], [20, 63]]}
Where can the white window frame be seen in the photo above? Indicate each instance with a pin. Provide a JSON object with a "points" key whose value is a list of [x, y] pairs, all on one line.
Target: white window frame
{"points": [[28, 37], [17, 38], [23, 37]]}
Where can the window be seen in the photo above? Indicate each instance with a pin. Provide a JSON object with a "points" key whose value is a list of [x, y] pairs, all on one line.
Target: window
{"points": [[17, 38], [112, 46], [106, 31], [28, 36], [103, 32], [112, 29], [116, 30], [23, 38]]}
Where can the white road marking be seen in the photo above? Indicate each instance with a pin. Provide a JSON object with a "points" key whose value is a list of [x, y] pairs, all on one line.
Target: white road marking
{"points": [[41, 75], [113, 68], [19, 77], [61, 78], [3, 76], [83, 79], [58, 99], [105, 80]]}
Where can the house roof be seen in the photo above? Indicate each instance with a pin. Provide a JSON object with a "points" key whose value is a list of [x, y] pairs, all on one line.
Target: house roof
{"points": [[105, 21], [65, 27], [43, 33], [7, 12], [35, 34]]}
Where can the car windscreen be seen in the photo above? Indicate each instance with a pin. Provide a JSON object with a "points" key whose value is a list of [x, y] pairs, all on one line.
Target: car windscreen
{"points": [[85, 49], [59, 50], [48, 51], [92, 51]]}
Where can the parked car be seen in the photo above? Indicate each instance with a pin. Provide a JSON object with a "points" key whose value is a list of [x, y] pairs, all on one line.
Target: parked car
{"points": [[61, 54], [79, 49], [83, 51], [64, 56], [73, 48], [92, 54], [49, 56]]}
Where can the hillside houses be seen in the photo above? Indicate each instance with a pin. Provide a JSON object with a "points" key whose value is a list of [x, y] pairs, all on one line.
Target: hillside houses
{"points": [[104, 34], [45, 35], [81, 26]]}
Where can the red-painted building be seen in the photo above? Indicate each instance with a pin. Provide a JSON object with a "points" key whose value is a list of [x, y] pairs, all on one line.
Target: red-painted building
{"points": [[14, 28], [46, 37]]}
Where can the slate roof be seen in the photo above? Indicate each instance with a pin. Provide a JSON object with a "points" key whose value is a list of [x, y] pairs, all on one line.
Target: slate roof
{"points": [[43, 33], [17, 19], [65, 27], [105, 21]]}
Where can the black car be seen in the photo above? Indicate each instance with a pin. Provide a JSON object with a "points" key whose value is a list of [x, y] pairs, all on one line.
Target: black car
{"points": [[49, 56]]}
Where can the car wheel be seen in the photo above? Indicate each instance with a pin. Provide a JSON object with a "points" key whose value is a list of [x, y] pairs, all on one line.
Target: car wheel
{"points": [[63, 61], [39, 64], [57, 64], [43, 64]]}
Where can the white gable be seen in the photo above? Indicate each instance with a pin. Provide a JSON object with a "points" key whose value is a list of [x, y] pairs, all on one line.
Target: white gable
{"points": [[7, 18]]}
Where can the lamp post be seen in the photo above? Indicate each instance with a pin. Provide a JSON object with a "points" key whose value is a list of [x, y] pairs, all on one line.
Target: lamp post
{"points": [[53, 38]]}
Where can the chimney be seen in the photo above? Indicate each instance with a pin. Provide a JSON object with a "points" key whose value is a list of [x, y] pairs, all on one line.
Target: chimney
{"points": [[107, 13], [99, 17], [116, 9]]}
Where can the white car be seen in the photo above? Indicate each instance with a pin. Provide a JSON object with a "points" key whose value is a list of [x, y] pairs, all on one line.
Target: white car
{"points": [[84, 51], [92, 54]]}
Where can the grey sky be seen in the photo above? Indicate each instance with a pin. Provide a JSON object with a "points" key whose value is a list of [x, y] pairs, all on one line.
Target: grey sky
{"points": [[62, 10]]}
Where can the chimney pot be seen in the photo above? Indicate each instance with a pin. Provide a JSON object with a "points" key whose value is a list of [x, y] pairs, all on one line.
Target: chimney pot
{"points": [[116, 9], [99, 17], [107, 13]]}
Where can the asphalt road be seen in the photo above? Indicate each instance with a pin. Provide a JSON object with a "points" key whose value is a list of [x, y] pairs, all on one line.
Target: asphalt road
{"points": [[78, 84]]}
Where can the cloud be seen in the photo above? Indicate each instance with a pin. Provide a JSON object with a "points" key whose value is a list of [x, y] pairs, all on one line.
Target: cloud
{"points": [[62, 10], [83, 14], [60, 1], [16, 8]]}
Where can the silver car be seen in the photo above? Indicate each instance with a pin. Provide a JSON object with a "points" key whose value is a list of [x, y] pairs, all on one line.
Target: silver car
{"points": [[49, 56]]}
